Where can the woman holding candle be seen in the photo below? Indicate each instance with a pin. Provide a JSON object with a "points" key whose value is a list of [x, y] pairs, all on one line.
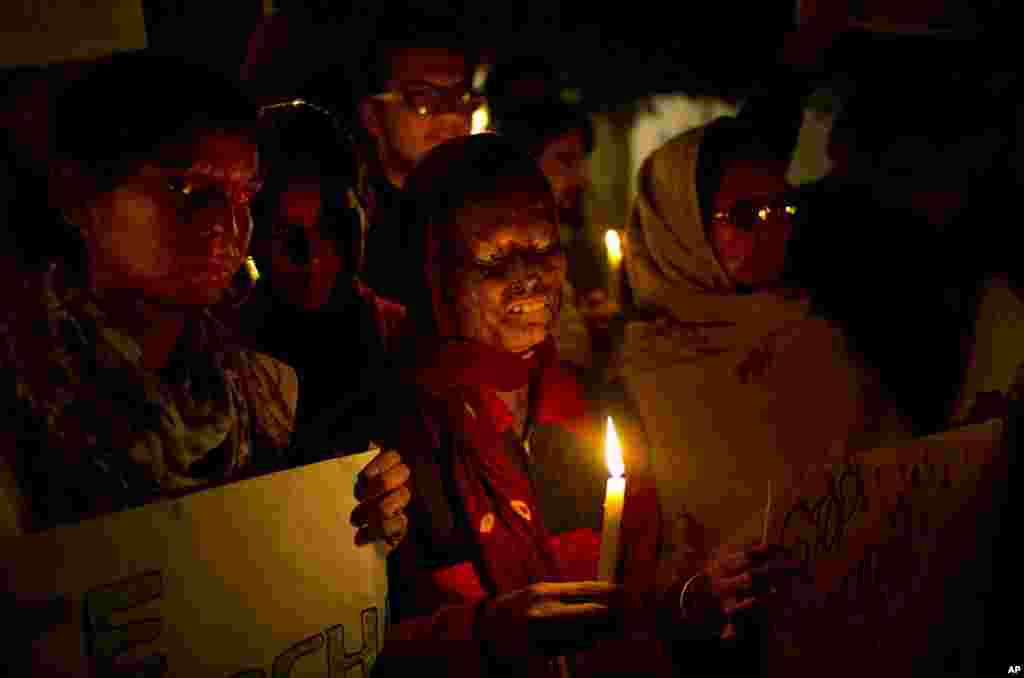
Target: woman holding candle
{"points": [[501, 558]]}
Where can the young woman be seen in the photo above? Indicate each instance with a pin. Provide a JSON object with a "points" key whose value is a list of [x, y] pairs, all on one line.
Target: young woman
{"points": [[309, 307], [119, 385]]}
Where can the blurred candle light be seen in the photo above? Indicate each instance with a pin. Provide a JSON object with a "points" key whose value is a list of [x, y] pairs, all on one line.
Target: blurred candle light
{"points": [[481, 120], [614, 497], [250, 267], [613, 245]]}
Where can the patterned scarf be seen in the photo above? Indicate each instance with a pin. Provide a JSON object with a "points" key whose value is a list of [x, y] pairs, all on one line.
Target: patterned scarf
{"points": [[104, 433]]}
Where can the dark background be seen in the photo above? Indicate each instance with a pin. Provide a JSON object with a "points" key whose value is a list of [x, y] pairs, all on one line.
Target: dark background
{"points": [[614, 52]]}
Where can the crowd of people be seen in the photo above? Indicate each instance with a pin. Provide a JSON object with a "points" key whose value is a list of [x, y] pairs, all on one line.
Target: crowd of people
{"points": [[205, 289]]}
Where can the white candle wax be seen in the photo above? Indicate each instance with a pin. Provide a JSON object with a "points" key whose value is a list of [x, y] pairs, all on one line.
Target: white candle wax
{"points": [[615, 494], [614, 497]]}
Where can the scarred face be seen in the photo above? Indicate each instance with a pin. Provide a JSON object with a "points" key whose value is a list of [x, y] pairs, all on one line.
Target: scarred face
{"points": [[508, 280], [179, 229], [303, 258]]}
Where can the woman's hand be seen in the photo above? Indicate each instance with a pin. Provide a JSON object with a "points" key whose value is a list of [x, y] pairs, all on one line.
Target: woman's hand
{"points": [[735, 580], [383, 493], [558, 617]]}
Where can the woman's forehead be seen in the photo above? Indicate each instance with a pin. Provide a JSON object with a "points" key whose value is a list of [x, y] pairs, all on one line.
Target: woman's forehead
{"points": [[220, 155], [498, 225], [742, 180], [504, 209]]}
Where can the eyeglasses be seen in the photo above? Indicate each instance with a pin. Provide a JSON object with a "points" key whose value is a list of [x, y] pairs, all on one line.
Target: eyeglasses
{"points": [[427, 100], [747, 214], [193, 193]]}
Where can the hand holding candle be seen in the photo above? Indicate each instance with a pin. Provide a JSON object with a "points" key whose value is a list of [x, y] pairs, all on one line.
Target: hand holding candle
{"points": [[614, 498], [729, 631]]}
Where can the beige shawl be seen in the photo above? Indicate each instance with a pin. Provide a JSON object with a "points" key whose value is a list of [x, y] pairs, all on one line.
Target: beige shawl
{"points": [[734, 388], [997, 359]]}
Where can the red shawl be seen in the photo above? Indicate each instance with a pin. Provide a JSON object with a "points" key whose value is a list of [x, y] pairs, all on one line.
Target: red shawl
{"points": [[494, 490]]}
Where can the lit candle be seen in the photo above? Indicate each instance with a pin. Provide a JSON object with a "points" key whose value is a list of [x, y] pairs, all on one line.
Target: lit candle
{"points": [[615, 494], [613, 244], [481, 119]]}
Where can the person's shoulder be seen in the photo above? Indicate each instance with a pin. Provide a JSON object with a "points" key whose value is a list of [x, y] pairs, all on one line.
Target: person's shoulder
{"points": [[390, 316], [268, 379], [439, 416], [269, 362], [270, 389], [258, 363], [38, 327]]}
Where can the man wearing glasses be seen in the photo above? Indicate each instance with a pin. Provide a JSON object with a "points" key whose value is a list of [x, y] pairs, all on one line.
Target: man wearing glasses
{"points": [[421, 98]]}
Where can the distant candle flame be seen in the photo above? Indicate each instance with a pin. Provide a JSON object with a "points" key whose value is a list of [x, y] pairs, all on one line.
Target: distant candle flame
{"points": [[614, 244], [613, 451], [481, 120]]}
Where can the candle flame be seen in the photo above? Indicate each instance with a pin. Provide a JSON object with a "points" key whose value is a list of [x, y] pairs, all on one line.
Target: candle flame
{"points": [[250, 267], [613, 451], [613, 243]]}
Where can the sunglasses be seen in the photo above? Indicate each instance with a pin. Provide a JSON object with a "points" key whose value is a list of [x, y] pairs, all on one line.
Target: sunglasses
{"points": [[746, 215], [427, 100]]}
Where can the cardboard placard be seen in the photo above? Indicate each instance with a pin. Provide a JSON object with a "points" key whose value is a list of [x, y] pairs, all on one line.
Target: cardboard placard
{"points": [[35, 33], [256, 578], [880, 538]]}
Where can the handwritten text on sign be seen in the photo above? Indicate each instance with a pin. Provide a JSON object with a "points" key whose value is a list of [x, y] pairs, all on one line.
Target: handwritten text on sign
{"points": [[256, 578], [112, 642], [877, 537]]}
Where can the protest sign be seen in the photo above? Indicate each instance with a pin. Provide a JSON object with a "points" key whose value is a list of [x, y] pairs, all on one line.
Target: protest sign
{"points": [[35, 33], [256, 578], [883, 538]]}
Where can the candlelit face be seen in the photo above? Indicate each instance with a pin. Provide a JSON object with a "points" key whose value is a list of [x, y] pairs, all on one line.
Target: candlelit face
{"points": [[403, 134], [178, 229], [304, 262], [754, 253], [507, 284]]}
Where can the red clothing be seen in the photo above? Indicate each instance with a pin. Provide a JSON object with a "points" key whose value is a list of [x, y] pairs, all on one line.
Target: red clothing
{"points": [[477, 524], [390, 315]]}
